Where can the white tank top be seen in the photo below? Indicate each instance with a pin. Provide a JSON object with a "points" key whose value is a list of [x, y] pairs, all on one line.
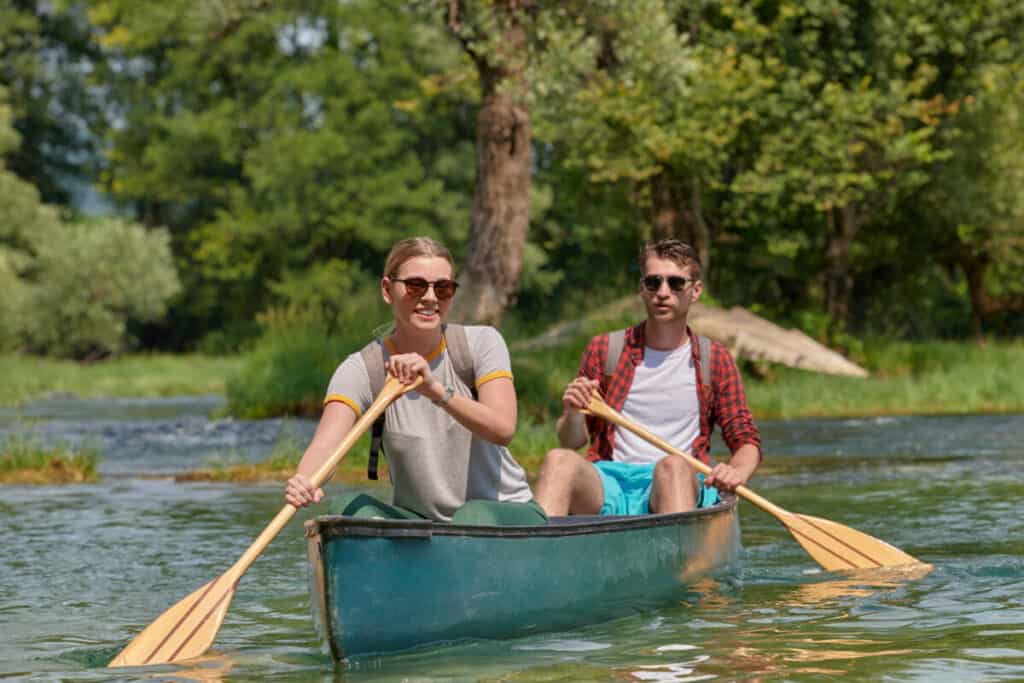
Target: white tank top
{"points": [[663, 400]]}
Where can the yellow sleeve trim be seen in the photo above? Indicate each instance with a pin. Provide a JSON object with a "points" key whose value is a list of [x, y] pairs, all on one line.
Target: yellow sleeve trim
{"points": [[341, 398], [494, 375]]}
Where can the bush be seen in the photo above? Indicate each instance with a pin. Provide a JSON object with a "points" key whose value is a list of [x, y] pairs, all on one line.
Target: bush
{"points": [[23, 460], [285, 374], [321, 316], [87, 280]]}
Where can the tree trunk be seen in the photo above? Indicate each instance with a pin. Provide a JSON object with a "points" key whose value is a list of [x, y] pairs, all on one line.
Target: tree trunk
{"points": [[678, 212], [843, 224], [501, 202], [974, 272], [983, 304]]}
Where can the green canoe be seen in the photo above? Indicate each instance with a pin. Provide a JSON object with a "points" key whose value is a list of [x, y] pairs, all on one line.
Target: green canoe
{"points": [[381, 586]]}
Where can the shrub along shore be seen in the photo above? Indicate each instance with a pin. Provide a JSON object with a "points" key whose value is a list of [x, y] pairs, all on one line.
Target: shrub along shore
{"points": [[24, 461], [287, 376]]}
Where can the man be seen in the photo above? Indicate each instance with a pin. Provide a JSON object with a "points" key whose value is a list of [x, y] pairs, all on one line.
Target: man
{"points": [[656, 383]]}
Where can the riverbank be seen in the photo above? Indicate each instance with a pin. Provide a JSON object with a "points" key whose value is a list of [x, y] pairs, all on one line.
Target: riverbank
{"points": [[931, 378], [281, 464], [29, 378], [926, 378]]}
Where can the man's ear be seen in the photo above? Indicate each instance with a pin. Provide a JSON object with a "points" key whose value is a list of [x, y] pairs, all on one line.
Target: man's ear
{"points": [[385, 290]]}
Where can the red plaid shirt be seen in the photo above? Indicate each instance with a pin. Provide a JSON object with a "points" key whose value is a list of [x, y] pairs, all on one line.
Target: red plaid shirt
{"points": [[723, 403]]}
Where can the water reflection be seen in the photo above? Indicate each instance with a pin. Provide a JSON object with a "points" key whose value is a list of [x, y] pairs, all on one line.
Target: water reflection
{"points": [[862, 583], [210, 668]]}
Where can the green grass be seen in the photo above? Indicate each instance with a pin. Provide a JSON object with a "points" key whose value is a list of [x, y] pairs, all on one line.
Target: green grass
{"points": [[923, 378], [144, 375], [287, 375], [24, 461], [906, 379]]}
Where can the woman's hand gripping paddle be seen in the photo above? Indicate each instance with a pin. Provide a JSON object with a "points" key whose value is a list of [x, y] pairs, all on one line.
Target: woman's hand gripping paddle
{"points": [[189, 628], [831, 545]]}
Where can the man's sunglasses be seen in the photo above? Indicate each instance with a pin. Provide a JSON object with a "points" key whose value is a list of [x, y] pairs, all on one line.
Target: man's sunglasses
{"points": [[652, 283], [417, 287]]}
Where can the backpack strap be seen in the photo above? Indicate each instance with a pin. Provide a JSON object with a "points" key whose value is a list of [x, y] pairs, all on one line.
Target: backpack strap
{"points": [[457, 345], [373, 359], [704, 344], [616, 344]]}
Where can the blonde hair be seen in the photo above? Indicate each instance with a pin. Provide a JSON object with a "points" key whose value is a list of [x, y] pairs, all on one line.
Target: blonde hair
{"points": [[411, 247]]}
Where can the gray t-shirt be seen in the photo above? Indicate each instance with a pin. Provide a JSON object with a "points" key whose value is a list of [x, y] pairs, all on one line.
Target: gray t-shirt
{"points": [[436, 464]]}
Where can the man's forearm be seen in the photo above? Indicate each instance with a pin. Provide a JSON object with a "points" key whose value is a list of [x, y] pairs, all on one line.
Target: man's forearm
{"points": [[572, 430], [746, 459]]}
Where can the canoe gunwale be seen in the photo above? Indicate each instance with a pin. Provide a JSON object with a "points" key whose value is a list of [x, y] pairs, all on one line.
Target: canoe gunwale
{"points": [[340, 525]]}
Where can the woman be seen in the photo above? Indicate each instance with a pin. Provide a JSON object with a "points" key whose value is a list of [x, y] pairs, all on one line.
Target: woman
{"points": [[446, 449]]}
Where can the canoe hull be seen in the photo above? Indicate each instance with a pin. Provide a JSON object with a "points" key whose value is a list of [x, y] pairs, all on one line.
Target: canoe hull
{"points": [[382, 586]]}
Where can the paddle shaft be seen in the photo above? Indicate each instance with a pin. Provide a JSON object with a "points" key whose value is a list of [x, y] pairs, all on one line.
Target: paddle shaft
{"points": [[189, 627], [392, 390], [601, 409]]}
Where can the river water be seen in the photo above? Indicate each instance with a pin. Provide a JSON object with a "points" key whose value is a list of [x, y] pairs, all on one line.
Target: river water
{"points": [[84, 568]]}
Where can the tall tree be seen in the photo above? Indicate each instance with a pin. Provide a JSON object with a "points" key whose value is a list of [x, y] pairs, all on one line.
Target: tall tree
{"points": [[975, 204], [649, 93], [272, 137], [47, 52], [495, 34]]}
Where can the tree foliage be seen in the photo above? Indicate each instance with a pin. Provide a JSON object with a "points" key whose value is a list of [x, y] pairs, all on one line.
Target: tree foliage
{"points": [[46, 53], [274, 136], [72, 288], [841, 165]]}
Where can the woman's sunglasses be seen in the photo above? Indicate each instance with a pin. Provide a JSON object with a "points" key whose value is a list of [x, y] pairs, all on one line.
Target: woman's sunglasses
{"points": [[652, 283], [416, 287]]}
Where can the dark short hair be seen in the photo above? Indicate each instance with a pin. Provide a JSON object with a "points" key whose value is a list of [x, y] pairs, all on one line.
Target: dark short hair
{"points": [[671, 249]]}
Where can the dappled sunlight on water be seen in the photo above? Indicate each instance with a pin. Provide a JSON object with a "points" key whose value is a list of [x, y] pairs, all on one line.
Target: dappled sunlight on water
{"points": [[84, 568]]}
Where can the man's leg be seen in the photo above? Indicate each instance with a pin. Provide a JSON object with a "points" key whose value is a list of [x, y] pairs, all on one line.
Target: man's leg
{"points": [[568, 483], [674, 488]]}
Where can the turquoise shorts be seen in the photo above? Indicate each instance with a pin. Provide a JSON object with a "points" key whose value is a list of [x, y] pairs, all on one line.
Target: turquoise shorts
{"points": [[627, 488]]}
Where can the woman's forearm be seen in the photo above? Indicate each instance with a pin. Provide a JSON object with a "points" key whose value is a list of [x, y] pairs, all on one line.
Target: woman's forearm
{"points": [[492, 416], [489, 424]]}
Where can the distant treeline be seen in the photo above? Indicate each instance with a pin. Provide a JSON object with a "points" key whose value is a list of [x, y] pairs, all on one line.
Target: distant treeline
{"points": [[847, 167]]}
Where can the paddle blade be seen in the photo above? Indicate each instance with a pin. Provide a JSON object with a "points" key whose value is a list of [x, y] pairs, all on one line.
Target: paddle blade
{"points": [[184, 631], [837, 547]]}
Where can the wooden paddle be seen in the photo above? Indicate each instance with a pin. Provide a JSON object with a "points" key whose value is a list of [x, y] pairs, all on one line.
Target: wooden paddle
{"points": [[189, 628], [832, 545]]}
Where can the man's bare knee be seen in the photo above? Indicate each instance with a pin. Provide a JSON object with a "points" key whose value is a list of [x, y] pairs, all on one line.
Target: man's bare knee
{"points": [[674, 468], [567, 483], [561, 461], [674, 488]]}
